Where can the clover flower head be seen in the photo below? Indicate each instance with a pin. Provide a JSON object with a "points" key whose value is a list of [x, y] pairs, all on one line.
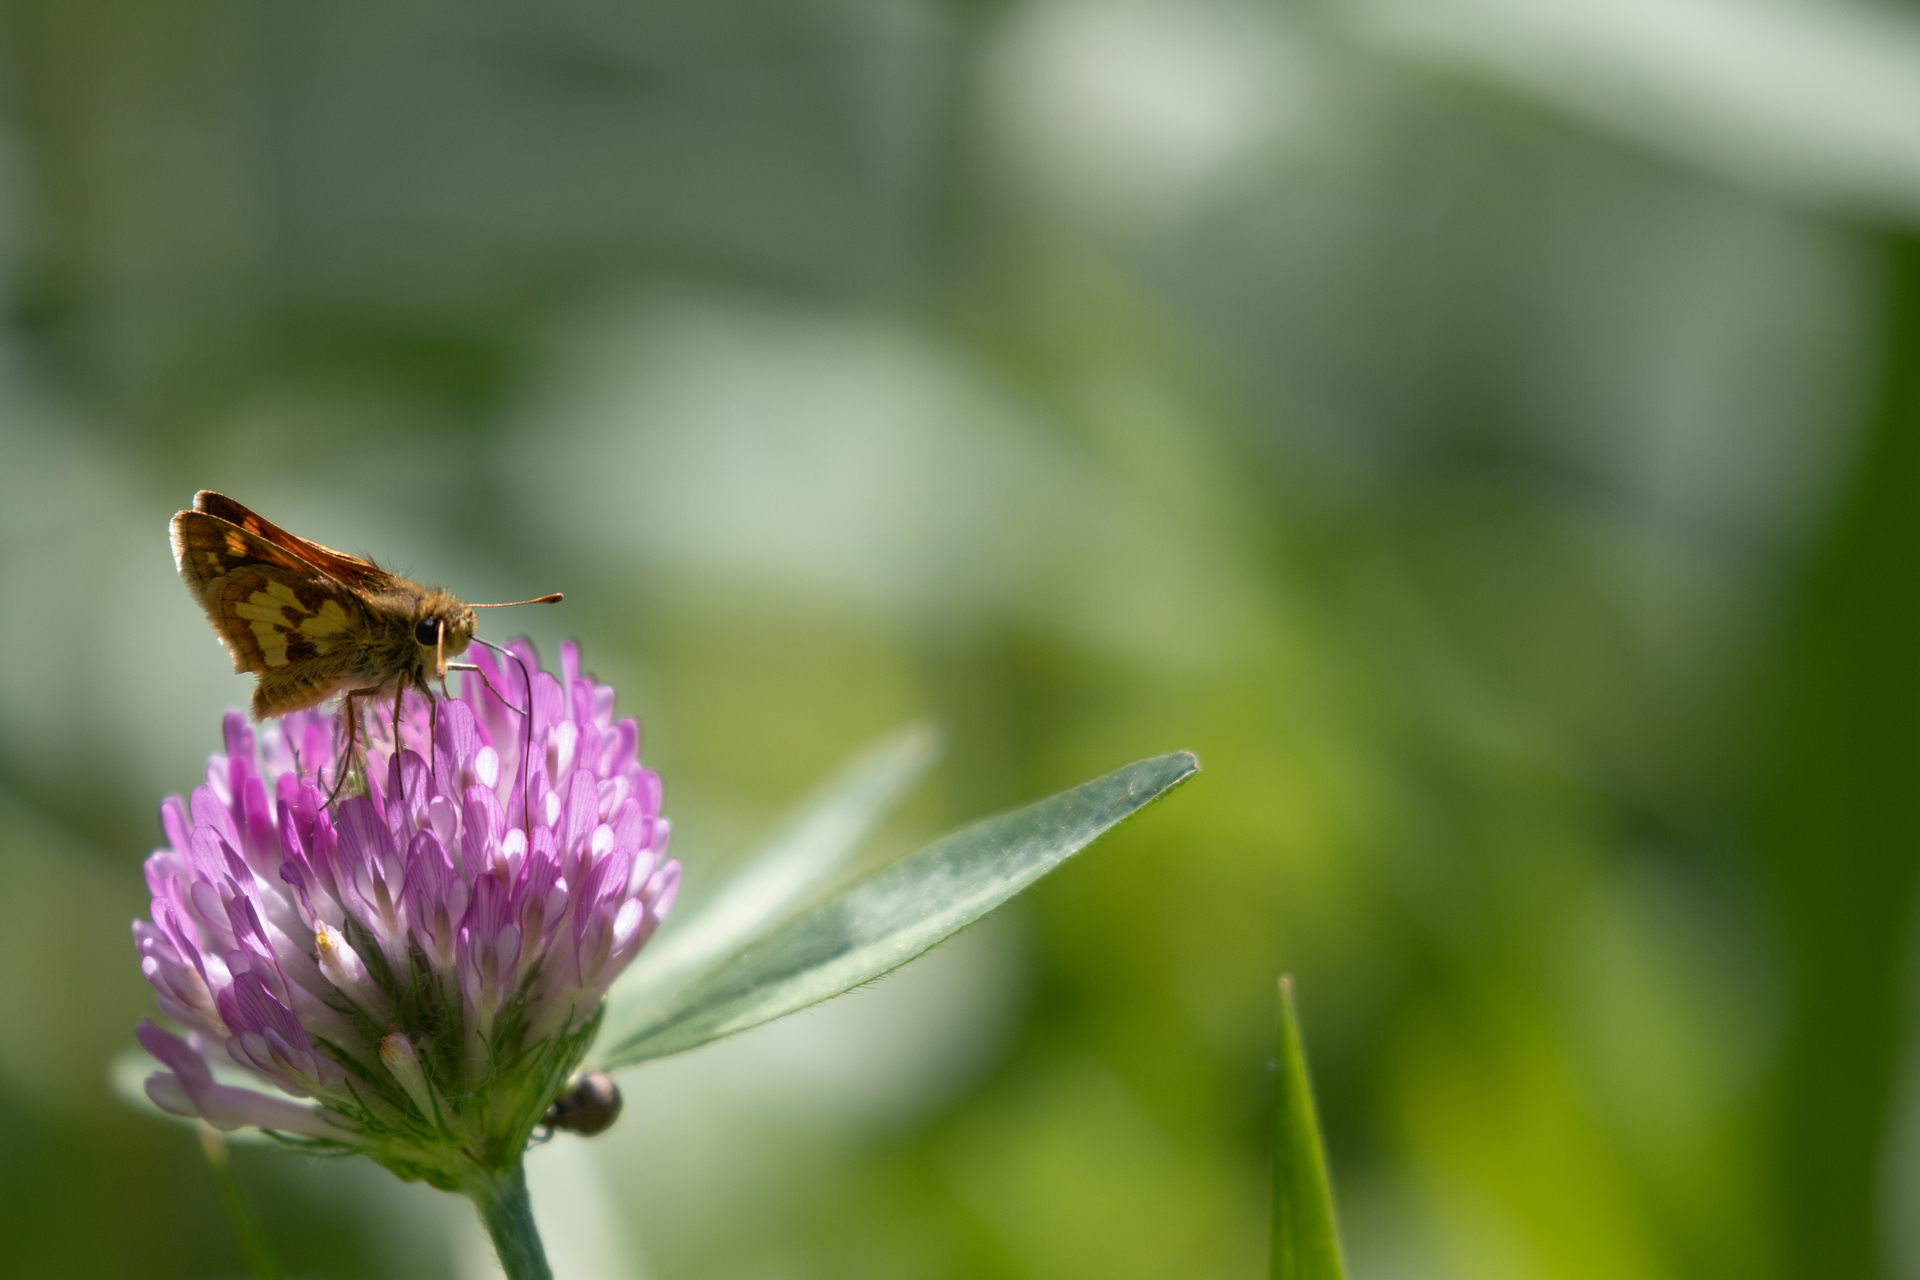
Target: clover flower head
{"points": [[425, 960]]}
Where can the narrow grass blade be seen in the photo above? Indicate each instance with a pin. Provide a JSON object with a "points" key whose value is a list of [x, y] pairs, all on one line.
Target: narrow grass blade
{"points": [[1306, 1245], [882, 921]]}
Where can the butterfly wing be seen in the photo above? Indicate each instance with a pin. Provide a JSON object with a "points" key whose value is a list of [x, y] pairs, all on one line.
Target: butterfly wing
{"points": [[361, 575], [275, 613]]}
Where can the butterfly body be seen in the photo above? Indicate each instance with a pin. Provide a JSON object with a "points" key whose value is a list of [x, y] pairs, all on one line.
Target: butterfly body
{"points": [[308, 621]]}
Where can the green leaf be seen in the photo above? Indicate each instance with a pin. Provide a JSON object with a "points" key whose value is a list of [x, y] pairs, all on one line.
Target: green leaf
{"points": [[1792, 98], [800, 861], [878, 923], [1306, 1245]]}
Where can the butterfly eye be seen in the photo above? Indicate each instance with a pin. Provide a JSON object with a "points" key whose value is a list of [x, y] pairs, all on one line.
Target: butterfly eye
{"points": [[427, 631]]}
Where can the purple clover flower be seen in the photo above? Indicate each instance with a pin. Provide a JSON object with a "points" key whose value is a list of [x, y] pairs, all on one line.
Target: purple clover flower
{"points": [[424, 960]]}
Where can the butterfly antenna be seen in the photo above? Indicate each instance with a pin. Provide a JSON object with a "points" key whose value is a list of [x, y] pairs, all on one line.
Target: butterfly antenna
{"points": [[554, 598]]}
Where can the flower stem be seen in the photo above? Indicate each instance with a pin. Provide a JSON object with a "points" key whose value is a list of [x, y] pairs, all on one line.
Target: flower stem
{"points": [[502, 1201], [253, 1241]]}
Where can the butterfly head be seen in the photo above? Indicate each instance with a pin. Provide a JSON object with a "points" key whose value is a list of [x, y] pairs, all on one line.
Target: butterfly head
{"points": [[443, 628]]}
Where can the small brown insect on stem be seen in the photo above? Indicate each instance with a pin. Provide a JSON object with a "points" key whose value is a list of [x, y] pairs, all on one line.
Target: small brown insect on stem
{"points": [[588, 1106]]}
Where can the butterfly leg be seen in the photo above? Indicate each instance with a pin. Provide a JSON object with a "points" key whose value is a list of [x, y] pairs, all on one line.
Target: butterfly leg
{"points": [[468, 666], [526, 763], [399, 701], [345, 764], [433, 715], [433, 730]]}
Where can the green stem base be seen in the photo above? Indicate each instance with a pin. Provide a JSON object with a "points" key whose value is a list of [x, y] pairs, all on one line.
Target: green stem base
{"points": [[503, 1204]]}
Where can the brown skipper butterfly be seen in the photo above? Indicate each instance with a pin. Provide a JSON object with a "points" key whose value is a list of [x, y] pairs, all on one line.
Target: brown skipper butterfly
{"points": [[311, 622]]}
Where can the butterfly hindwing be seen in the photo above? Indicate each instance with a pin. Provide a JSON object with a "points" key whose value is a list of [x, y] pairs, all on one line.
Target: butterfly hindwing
{"points": [[271, 609], [289, 619]]}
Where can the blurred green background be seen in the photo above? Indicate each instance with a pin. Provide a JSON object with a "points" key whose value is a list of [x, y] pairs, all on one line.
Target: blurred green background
{"points": [[1487, 431]]}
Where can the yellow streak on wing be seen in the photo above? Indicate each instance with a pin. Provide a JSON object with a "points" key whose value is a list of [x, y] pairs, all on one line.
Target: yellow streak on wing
{"points": [[330, 621], [263, 613], [273, 641]]}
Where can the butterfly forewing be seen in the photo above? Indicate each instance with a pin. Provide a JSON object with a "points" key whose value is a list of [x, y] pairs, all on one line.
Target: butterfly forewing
{"points": [[360, 574]]}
